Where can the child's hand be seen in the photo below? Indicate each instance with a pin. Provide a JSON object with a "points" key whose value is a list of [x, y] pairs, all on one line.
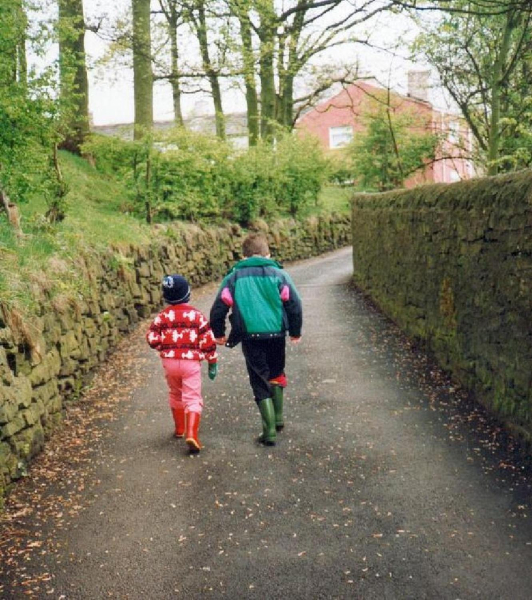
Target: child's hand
{"points": [[221, 341], [213, 371], [295, 340]]}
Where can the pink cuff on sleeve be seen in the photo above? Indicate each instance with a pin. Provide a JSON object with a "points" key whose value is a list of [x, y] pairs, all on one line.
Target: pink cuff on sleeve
{"points": [[227, 298]]}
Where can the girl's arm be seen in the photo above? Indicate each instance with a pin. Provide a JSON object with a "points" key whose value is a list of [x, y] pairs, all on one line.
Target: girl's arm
{"points": [[153, 336], [207, 343]]}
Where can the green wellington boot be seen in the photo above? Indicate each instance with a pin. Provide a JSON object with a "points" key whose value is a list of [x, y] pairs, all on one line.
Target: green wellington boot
{"points": [[268, 422], [277, 397]]}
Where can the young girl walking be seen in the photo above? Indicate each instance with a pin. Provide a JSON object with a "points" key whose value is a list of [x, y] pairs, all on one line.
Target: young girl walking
{"points": [[182, 336]]}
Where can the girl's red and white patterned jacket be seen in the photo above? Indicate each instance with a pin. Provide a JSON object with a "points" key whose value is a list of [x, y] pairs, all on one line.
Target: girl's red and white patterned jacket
{"points": [[182, 331]]}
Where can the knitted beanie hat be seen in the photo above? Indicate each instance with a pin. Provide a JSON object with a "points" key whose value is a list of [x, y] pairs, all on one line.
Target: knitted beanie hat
{"points": [[176, 289]]}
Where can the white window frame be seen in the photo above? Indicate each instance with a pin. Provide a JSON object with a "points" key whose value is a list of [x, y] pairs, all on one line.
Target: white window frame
{"points": [[342, 131], [454, 132]]}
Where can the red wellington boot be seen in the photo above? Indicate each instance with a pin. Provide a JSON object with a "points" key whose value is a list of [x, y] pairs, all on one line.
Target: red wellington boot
{"points": [[179, 420], [193, 421]]}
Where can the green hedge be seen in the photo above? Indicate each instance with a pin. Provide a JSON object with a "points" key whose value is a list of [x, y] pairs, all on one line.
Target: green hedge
{"points": [[188, 176]]}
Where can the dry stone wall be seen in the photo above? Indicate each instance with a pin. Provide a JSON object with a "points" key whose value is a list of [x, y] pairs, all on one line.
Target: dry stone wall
{"points": [[452, 265], [44, 364]]}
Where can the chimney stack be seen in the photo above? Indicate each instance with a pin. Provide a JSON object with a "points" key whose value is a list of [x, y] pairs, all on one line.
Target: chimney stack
{"points": [[418, 85]]}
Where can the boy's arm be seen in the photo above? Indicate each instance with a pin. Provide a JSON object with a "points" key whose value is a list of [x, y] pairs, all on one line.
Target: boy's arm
{"points": [[293, 307], [221, 306]]}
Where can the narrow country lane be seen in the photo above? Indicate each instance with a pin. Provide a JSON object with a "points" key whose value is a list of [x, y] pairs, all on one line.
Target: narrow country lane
{"points": [[380, 487]]}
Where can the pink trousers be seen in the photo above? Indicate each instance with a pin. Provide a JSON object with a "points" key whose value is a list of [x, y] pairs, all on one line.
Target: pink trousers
{"points": [[184, 384]]}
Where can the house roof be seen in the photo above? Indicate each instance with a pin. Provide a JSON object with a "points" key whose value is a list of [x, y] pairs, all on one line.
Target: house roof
{"points": [[235, 126], [350, 95]]}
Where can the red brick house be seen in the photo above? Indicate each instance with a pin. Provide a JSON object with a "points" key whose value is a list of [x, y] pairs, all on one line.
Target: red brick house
{"points": [[335, 122]]}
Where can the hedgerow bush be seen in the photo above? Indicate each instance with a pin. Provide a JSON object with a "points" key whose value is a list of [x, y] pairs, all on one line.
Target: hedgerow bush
{"points": [[302, 169], [188, 176]]}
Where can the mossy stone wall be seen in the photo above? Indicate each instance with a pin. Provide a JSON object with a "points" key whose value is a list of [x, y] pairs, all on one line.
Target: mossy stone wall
{"points": [[45, 363], [452, 265]]}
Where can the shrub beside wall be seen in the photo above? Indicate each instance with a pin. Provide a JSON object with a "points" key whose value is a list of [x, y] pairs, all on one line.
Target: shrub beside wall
{"points": [[47, 361], [452, 265]]}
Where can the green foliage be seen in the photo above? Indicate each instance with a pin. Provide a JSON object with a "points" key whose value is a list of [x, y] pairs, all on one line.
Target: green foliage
{"points": [[192, 179], [484, 60], [302, 171], [284, 179], [340, 169], [49, 256], [27, 138], [184, 175], [335, 199], [516, 147], [29, 121], [395, 144]]}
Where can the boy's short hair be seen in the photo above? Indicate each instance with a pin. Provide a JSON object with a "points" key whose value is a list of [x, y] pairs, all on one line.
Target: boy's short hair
{"points": [[255, 243]]}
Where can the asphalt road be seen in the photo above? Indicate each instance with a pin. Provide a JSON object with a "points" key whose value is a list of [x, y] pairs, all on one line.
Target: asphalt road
{"points": [[385, 484]]}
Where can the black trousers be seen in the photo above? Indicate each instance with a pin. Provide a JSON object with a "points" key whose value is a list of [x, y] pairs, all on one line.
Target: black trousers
{"points": [[265, 360]]}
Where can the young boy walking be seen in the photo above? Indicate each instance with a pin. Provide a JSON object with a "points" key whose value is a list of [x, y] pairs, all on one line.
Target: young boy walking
{"points": [[264, 305], [183, 338]]}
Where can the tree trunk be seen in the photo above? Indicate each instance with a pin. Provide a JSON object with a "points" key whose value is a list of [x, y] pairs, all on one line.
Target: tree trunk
{"points": [[13, 42], [73, 73], [148, 203], [12, 213], [286, 109], [267, 75], [281, 61], [22, 63], [212, 75], [142, 68], [494, 134], [252, 100], [292, 69], [174, 76]]}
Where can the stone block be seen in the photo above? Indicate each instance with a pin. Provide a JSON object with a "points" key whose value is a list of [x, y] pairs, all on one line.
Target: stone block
{"points": [[6, 375], [144, 269], [68, 345], [89, 327], [135, 289], [54, 404], [41, 373], [5, 453], [93, 343], [66, 385], [28, 442], [53, 421], [6, 338], [3, 357], [33, 414], [8, 410], [68, 367], [23, 364], [22, 391], [52, 328], [14, 426], [8, 462]]}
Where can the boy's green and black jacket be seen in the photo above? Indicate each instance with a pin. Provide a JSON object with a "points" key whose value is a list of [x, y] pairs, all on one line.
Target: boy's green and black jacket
{"points": [[263, 300]]}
